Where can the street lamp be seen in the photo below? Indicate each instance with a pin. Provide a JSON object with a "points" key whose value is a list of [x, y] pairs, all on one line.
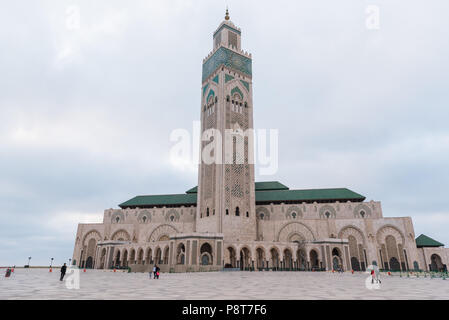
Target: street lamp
{"points": [[70, 260], [51, 262], [29, 259]]}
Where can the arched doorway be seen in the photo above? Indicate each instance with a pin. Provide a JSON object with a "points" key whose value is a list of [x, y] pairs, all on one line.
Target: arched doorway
{"points": [[125, 259], [89, 263], [288, 259], [132, 258], [302, 260], [149, 256], [336, 260], [158, 259], [206, 257], [180, 254], [354, 253], [140, 257], [117, 259], [230, 258], [91, 246], [435, 263], [245, 259], [274, 258], [355, 264], [260, 257], [394, 264], [314, 263], [393, 256], [166, 254], [103, 259]]}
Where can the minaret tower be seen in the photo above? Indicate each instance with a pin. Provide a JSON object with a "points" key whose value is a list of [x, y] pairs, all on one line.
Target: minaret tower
{"points": [[226, 196]]}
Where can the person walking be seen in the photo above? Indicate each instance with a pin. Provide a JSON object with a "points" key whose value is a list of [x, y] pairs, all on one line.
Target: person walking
{"points": [[155, 271], [63, 271], [377, 273]]}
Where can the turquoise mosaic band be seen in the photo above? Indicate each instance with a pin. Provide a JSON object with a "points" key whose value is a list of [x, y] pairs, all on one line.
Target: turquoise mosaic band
{"points": [[228, 58]]}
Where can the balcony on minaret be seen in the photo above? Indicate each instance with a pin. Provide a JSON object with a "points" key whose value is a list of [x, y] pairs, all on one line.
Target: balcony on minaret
{"points": [[227, 35]]}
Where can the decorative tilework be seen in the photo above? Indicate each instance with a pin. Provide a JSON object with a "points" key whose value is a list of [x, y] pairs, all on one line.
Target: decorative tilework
{"points": [[205, 89], [211, 93], [246, 84], [237, 90], [229, 58], [228, 78], [215, 79]]}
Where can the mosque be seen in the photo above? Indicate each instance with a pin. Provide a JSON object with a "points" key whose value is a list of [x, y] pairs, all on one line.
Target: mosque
{"points": [[229, 221]]}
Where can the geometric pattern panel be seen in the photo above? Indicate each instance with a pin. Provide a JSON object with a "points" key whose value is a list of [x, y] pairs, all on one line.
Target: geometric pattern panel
{"points": [[229, 58]]}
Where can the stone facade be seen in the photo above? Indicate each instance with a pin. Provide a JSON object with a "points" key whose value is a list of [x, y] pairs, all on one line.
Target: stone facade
{"points": [[227, 227]]}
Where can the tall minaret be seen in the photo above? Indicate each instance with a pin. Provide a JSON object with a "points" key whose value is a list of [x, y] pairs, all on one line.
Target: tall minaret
{"points": [[226, 197]]}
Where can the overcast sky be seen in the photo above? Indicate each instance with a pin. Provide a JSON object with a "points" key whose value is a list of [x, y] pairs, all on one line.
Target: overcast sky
{"points": [[87, 109]]}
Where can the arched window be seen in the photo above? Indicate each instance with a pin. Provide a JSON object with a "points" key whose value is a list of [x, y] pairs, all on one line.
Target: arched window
{"points": [[237, 211], [247, 214], [207, 212], [227, 212], [144, 219], [362, 214], [117, 220], [294, 215], [227, 99], [327, 214]]}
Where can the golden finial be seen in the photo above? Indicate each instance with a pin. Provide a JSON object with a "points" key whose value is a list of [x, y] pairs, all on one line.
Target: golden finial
{"points": [[227, 14]]}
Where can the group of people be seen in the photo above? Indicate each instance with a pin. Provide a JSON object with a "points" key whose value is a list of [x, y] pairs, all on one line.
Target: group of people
{"points": [[155, 272]]}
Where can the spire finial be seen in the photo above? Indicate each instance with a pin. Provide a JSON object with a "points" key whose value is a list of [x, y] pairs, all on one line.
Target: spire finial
{"points": [[227, 14]]}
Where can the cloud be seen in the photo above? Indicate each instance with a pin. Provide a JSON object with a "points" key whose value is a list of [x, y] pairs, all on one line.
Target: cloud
{"points": [[87, 112]]}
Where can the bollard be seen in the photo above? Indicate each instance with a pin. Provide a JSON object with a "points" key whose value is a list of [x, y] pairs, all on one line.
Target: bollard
{"points": [[352, 271], [50, 270], [115, 270], [84, 270]]}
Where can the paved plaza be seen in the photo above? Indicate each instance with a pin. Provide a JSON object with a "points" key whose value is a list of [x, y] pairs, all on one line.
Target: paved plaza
{"points": [[40, 284]]}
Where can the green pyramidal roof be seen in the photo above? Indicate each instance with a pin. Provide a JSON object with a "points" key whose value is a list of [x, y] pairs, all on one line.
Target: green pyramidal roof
{"points": [[425, 241], [266, 192]]}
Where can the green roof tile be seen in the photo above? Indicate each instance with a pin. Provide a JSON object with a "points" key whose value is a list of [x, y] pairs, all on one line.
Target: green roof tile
{"points": [[425, 241], [270, 185], [266, 192], [341, 194], [160, 200]]}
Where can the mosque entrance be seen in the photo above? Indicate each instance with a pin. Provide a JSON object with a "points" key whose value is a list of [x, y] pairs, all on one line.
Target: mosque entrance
{"points": [[394, 264], [89, 263], [436, 264]]}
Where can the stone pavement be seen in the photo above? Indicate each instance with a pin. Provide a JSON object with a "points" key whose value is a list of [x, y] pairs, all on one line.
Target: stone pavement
{"points": [[96, 284]]}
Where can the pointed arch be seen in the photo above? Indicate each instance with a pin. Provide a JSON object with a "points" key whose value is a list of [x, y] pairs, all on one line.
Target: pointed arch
{"points": [[164, 230]]}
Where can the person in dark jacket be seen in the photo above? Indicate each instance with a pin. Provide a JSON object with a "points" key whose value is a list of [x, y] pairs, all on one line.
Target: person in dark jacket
{"points": [[155, 271], [63, 271]]}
